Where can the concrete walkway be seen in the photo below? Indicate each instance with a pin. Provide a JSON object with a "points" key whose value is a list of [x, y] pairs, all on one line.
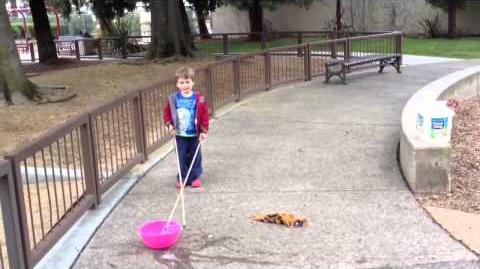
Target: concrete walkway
{"points": [[327, 152], [409, 60]]}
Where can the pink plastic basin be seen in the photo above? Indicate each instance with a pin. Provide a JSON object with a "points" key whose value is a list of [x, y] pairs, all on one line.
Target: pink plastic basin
{"points": [[155, 237]]}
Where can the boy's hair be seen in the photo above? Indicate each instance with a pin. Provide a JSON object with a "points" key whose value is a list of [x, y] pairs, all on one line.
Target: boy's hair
{"points": [[185, 73]]}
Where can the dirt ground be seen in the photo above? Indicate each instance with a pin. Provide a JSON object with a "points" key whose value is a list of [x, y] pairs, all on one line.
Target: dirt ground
{"points": [[465, 162], [94, 84], [463, 226]]}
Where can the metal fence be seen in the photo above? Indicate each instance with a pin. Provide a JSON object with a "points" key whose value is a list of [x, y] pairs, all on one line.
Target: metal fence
{"points": [[78, 48], [11, 243], [5, 182], [55, 185], [48, 184]]}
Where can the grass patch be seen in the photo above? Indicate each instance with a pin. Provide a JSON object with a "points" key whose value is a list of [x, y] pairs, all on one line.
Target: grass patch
{"points": [[464, 48]]}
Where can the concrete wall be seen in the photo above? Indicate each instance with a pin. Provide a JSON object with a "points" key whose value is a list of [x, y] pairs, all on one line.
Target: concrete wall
{"points": [[364, 15], [468, 20], [425, 164], [230, 20]]}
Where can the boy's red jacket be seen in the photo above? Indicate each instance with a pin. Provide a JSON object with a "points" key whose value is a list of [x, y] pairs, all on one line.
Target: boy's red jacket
{"points": [[201, 112]]}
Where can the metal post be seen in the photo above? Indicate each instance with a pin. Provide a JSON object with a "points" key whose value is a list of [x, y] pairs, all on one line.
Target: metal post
{"points": [[90, 164], [263, 40], [225, 44], [209, 86], [299, 42], [306, 62], [299, 38], [77, 50], [348, 49], [333, 49], [399, 45], [99, 49], [124, 48], [268, 71], [21, 209], [236, 78], [11, 219], [138, 126], [32, 52]]}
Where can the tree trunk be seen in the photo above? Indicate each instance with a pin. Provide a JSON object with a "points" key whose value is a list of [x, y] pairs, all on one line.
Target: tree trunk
{"points": [[58, 30], [186, 25], [105, 26], [103, 18], [168, 33], [255, 15], [452, 18], [339, 24], [13, 81], [202, 24], [47, 51]]}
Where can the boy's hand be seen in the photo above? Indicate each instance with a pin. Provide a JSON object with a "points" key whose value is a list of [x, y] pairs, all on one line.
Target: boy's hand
{"points": [[202, 137], [170, 129]]}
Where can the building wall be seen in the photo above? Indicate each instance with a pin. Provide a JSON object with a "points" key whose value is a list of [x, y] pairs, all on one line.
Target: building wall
{"points": [[228, 20], [363, 15], [468, 20]]}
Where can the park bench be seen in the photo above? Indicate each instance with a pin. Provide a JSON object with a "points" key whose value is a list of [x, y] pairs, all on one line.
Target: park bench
{"points": [[23, 46], [66, 45], [340, 67]]}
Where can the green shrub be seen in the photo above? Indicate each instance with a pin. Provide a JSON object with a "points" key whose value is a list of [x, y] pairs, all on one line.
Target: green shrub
{"points": [[127, 25], [78, 23], [19, 31], [431, 26], [74, 25]]}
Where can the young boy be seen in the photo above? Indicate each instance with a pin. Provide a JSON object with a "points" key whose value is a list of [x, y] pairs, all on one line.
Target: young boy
{"points": [[186, 116]]}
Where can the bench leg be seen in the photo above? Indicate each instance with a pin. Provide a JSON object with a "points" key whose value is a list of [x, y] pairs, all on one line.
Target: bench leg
{"points": [[327, 79], [382, 66], [397, 65], [344, 75], [327, 74]]}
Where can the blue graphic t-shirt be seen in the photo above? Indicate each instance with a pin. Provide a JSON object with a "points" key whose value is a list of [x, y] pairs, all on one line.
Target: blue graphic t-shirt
{"points": [[186, 115]]}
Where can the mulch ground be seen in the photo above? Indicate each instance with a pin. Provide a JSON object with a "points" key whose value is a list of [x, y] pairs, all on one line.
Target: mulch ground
{"points": [[465, 162]]}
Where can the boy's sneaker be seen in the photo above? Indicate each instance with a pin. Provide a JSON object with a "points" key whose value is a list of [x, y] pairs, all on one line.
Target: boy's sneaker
{"points": [[196, 183]]}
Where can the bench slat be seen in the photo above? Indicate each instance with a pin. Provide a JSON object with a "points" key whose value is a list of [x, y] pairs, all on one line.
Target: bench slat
{"points": [[356, 60]]}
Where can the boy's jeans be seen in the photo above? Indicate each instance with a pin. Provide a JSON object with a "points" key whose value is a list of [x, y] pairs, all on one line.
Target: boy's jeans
{"points": [[186, 150]]}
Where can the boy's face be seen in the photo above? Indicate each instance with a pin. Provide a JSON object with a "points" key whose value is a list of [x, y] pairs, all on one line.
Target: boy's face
{"points": [[185, 84]]}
